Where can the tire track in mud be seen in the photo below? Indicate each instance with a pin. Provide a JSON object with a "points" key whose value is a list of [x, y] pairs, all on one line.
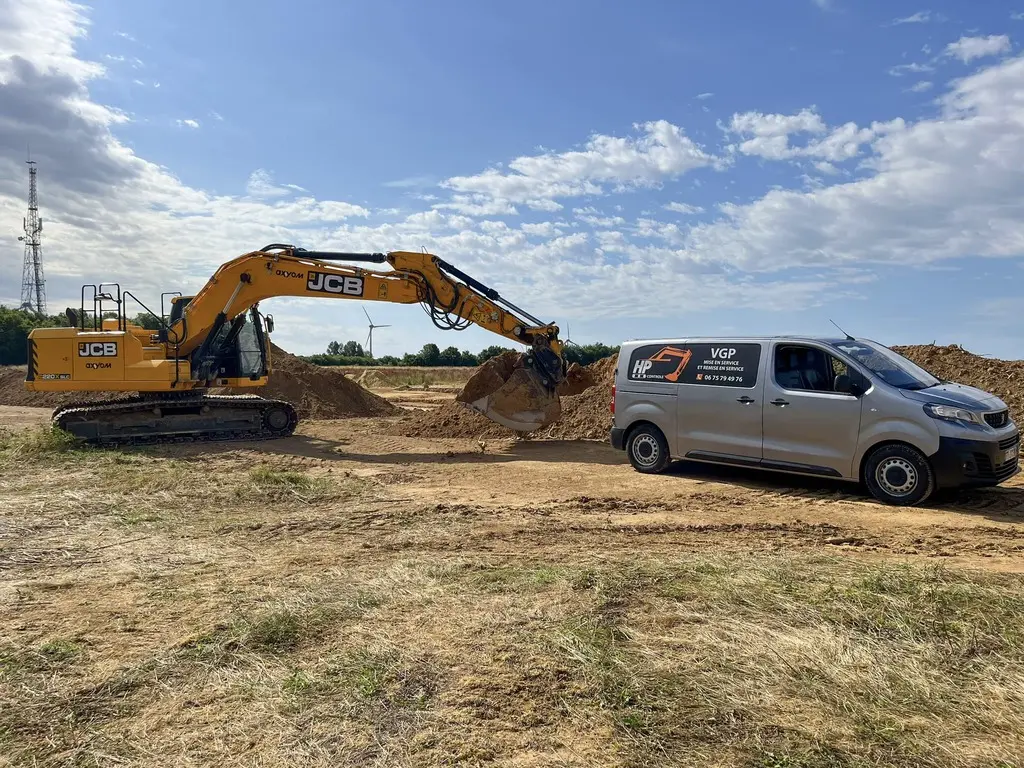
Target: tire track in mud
{"points": [[615, 527]]}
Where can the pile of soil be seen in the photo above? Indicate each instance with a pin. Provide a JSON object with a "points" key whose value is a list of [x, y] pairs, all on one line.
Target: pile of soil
{"points": [[317, 392], [587, 416], [1003, 378], [13, 392]]}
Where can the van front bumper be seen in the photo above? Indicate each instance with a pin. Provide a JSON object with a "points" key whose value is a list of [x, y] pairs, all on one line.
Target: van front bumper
{"points": [[618, 438], [960, 462]]}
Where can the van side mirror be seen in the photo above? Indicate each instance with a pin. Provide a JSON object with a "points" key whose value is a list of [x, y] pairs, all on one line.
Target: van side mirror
{"points": [[843, 384]]}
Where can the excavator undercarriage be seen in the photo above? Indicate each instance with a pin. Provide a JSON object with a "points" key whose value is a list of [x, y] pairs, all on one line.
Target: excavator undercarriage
{"points": [[149, 419]]}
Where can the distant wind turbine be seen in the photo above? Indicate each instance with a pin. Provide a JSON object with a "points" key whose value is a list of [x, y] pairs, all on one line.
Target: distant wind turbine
{"points": [[369, 337]]}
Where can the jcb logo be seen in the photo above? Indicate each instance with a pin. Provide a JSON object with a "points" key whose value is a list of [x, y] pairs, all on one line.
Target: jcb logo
{"points": [[723, 353], [97, 349], [641, 367], [348, 286]]}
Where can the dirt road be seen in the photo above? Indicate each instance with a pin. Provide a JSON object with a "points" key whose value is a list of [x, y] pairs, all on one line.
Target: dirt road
{"points": [[571, 497]]}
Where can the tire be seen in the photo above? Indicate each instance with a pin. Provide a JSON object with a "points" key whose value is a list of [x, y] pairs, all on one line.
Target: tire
{"points": [[647, 449], [898, 474]]}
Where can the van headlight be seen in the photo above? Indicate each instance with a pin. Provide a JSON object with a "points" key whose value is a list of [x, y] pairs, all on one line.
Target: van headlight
{"points": [[951, 413]]}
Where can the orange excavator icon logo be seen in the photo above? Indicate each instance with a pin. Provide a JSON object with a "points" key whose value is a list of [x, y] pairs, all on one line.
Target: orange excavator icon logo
{"points": [[664, 355]]}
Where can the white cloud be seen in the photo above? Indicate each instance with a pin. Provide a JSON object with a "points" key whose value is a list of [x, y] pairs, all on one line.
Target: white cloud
{"points": [[1019, 16], [901, 69], [683, 208], [410, 182], [261, 185], [188, 123], [967, 49], [706, 95], [921, 17], [478, 205], [662, 151], [920, 86], [770, 136], [126, 36], [216, 116]]}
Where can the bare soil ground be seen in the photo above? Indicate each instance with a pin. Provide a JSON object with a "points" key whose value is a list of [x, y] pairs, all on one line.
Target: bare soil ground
{"points": [[348, 598]]}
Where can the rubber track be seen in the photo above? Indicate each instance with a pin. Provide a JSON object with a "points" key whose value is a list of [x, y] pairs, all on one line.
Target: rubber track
{"points": [[121, 406]]}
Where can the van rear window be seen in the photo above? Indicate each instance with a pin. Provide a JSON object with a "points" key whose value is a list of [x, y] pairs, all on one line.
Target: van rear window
{"points": [[722, 365]]}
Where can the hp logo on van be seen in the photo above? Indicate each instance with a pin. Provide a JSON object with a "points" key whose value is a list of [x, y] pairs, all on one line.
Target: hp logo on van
{"points": [[641, 367], [97, 349]]}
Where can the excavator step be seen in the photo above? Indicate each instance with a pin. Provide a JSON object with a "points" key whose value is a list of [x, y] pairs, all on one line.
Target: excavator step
{"points": [[167, 419]]}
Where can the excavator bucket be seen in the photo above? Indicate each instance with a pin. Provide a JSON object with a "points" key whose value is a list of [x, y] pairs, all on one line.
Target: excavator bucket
{"points": [[511, 394]]}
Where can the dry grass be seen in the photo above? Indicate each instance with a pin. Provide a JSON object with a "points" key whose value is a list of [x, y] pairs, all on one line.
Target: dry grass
{"points": [[259, 612]]}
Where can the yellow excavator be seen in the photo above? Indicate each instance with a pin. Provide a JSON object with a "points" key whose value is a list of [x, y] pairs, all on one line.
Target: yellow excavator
{"points": [[219, 339]]}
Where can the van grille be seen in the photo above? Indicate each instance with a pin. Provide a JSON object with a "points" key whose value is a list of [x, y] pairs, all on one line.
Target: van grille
{"points": [[999, 472], [998, 419]]}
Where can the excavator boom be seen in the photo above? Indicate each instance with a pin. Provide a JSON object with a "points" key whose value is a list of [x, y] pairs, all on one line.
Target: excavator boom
{"points": [[218, 338]]}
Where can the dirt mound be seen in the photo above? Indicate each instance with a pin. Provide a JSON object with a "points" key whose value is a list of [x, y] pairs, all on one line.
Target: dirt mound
{"points": [[585, 415], [1003, 378], [316, 392], [13, 392]]}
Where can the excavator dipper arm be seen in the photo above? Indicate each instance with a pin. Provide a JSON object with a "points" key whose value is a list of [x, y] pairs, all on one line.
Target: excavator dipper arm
{"points": [[524, 400]]}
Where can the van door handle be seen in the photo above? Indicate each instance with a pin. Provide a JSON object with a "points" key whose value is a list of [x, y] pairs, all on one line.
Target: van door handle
{"points": [[780, 402], [745, 400]]}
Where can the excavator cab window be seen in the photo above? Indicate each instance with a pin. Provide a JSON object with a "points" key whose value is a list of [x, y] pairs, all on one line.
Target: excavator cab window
{"points": [[249, 347], [238, 348]]}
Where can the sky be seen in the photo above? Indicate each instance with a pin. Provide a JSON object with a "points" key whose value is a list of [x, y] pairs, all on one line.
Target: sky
{"points": [[626, 170]]}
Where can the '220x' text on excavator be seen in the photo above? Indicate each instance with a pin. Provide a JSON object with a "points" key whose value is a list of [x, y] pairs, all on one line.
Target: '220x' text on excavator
{"points": [[219, 338]]}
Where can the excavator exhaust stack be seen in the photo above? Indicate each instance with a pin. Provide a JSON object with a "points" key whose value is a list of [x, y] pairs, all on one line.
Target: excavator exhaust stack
{"points": [[515, 391]]}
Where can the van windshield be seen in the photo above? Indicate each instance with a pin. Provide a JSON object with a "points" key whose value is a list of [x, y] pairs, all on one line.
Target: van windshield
{"points": [[889, 366]]}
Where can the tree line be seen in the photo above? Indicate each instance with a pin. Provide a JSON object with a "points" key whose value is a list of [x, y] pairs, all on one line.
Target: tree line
{"points": [[351, 353], [15, 325]]}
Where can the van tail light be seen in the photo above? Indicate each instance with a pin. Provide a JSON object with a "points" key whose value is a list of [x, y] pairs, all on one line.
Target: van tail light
{"points": [[612, 403]]}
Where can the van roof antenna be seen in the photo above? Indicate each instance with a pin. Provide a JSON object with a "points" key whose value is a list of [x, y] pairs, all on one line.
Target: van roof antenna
{"points": [[848, 336]]}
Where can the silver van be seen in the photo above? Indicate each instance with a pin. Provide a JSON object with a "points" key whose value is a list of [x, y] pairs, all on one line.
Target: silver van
{"points": [[846, 408]]}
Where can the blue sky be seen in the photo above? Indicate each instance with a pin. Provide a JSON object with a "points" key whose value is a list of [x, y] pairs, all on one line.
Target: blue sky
{"points": [[640, 169]]}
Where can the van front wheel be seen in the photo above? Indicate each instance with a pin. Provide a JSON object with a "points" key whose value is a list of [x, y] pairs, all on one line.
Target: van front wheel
{"points": [[647, 449], [898, 474]]}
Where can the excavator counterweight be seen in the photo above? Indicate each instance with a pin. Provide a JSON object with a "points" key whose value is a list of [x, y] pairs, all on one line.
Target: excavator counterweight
{"points": [[218, 338]]}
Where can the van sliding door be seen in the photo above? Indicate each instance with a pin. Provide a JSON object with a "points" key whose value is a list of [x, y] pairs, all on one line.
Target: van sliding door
{"points": [[719, 403]]}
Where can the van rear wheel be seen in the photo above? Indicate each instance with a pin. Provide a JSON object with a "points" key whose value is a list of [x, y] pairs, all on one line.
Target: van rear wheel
{"points": [[899, 474], [647, 449]]}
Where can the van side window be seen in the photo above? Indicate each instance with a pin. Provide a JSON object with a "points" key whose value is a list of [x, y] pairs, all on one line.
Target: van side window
{"points": [[799, 367]]}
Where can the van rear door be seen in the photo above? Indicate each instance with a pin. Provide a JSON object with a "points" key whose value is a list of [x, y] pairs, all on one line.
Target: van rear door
{"points": [[719, 402]]}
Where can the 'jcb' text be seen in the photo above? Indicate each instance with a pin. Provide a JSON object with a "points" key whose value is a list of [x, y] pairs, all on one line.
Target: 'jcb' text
{"points": [[324, 283], [97, 349]]}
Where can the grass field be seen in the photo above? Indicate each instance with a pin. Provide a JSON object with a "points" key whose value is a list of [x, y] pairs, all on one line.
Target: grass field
{"points": [[223, 606]]}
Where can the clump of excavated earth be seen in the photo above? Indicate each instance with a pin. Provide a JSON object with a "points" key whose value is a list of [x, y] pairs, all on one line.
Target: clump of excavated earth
{"points": [[507, 392]]}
